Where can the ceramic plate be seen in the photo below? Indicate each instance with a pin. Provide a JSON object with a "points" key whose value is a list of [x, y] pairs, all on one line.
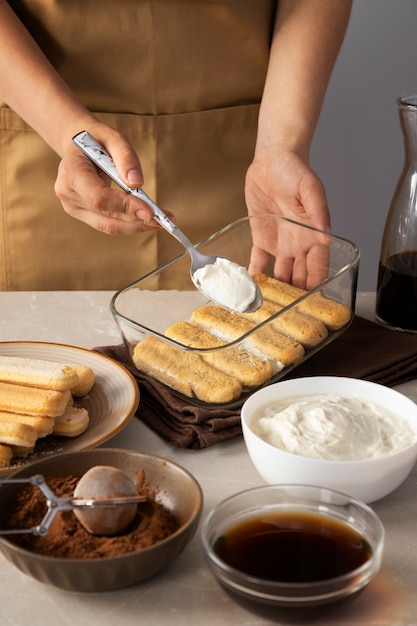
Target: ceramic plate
{"points": [[110, 404]]}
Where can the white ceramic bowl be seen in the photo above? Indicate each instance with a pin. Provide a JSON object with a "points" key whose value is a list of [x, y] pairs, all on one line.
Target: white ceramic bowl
{"points": [[368, 479]]}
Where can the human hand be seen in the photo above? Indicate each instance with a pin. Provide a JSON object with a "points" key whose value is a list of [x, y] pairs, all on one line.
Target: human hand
{"points": [[87, 194], [282, 183]]}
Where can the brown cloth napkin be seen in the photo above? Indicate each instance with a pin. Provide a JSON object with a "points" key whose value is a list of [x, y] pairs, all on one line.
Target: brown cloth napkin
{"points": [[181, 423], [365, 350]]}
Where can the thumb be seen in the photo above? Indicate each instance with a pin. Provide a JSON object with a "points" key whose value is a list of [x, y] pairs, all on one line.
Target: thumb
{"points": [[126, 160]]}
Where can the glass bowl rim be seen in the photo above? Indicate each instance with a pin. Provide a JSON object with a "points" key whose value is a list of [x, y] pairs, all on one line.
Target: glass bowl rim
{"points": [[273, 589]]}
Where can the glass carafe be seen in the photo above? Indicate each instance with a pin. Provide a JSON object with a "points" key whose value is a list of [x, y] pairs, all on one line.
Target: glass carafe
{"points": [[396, 302]]}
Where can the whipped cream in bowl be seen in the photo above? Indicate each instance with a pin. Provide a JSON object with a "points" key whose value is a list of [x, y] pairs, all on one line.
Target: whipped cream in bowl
{"points": [[346, 434], [333, 427]]}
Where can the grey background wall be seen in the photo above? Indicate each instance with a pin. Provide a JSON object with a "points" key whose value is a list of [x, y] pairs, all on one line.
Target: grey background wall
{"points": [[358, 148]]}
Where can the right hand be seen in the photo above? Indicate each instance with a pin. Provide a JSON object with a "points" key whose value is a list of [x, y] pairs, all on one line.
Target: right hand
{"points": [[86, 192]]}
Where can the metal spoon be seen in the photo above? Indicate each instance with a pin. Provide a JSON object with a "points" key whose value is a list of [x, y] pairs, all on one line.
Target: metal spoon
{"points": [[55, 504], [100, 157]]}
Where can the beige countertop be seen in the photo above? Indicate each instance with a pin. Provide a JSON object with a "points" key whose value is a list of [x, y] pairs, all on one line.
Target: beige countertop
{"points": [[186, 594]]}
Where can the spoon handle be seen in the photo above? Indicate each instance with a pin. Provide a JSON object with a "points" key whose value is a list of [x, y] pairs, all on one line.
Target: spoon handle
{"points": [[109, 502]]}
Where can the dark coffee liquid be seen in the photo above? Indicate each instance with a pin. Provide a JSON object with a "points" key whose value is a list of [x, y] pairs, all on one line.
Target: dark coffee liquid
{"points": [[396, 302], [293, 547]]}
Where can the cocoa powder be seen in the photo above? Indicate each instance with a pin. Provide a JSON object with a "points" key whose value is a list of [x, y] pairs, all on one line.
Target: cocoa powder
{"points": [[67, 538]]}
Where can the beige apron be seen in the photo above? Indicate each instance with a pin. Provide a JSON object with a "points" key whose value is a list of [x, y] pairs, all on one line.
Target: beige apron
{"points": [[182, 79]]}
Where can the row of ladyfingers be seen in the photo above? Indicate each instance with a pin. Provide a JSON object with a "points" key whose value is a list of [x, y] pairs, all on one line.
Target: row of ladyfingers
{"points": [[36, 400], [220, 376]]}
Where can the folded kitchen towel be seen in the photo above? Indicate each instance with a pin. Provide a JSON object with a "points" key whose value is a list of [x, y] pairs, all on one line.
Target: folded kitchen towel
{"points": [[365, 350], [178, 421]]}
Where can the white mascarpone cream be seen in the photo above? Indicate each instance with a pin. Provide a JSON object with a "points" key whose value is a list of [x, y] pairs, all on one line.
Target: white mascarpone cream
{"points": [[332, 427], [227, 283]]}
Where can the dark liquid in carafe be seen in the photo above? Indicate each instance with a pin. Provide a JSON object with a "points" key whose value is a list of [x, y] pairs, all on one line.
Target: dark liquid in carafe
{"points": [[293, 547], [396, 302]]}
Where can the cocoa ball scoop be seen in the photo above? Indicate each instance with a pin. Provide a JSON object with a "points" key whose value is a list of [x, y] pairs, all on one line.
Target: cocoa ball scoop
{"points": [[78, 504]]}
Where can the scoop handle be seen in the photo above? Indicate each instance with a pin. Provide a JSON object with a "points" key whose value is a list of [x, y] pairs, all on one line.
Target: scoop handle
{"points": [[55, 504]]}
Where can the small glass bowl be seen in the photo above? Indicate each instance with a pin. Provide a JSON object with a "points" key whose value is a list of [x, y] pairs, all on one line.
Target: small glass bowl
{"points": [[293, 500], [167, 295]]}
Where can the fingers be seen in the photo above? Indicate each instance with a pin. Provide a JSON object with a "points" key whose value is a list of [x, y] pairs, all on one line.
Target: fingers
{"points": [[317, 263], [258, 261], [124, 156], [282, 183], [314, 201], [86, 195], [298, 255]]}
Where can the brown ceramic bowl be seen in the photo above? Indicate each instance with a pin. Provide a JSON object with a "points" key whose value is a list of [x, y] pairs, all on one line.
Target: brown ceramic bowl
{"points": [[177, 490]]}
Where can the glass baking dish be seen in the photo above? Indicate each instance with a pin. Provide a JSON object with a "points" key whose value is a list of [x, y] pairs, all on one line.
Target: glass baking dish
{"points": [[148, 312]]}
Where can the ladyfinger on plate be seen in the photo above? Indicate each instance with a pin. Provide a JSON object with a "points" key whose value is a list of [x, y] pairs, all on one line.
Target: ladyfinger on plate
{"points": [[42, 424], [32, 400], [15, 434], [86, 378], [73, 422], [6, 455], [37, 373], [22, 452]]}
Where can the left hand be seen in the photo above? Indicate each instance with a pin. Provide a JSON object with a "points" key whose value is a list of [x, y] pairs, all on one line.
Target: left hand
{"points": [[282, 183]]}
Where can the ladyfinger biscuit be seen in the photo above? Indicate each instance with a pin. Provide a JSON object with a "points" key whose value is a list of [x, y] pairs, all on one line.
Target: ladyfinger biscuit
{"points": [[32, 400], [250, 370], [37, 373], [73, 422], [15, 434], [222, 323], [265, 342], [86, 379], [185, 372], [6, 455], [21, 451], [277, 291], [305, 329], [149, 358], [43, 425], [333, 314]]}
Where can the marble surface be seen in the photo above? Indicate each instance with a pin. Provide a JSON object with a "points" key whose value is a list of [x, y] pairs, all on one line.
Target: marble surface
{"points": [[186, 593]]}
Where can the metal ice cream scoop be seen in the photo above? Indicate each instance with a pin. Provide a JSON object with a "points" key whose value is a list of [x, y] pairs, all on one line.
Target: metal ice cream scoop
{"points": [[56, 504], [100, 157]]}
